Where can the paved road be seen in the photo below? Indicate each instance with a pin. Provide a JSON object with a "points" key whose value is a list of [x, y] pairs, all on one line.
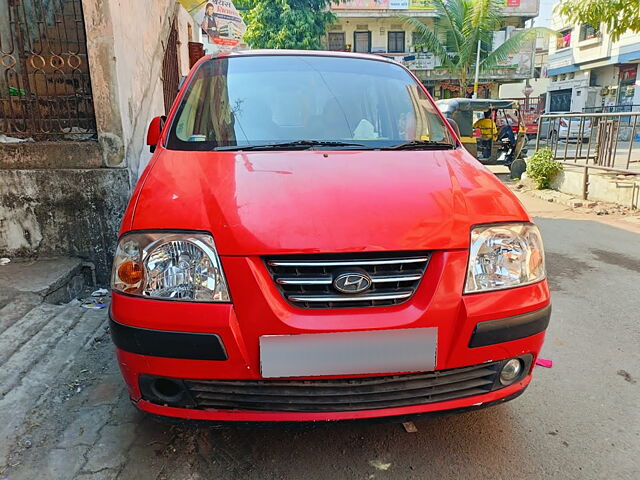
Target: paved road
{"points": [[578, 420]]}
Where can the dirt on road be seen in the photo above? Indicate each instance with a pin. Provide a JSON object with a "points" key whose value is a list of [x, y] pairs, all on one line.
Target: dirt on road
{"points": [[607, 214]]}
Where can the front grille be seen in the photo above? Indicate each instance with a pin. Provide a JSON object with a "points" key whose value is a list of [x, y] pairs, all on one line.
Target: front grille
{"points": [[344, 394], [307, 281]]}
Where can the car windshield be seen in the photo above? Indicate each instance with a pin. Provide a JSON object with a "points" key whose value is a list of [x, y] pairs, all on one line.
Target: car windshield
{"points": [[348, 103]]}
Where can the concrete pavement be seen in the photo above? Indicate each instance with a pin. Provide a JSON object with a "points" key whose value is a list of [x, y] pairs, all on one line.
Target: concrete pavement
{"points": [[578, 420]]}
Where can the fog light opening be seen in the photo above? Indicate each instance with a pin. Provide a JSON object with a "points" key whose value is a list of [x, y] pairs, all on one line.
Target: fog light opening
{"points": [[511, 371], [167, 390]]}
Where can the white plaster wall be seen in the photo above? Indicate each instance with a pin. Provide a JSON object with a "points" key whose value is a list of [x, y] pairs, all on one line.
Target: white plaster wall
{"points": [[140, 32], [514, 90]]}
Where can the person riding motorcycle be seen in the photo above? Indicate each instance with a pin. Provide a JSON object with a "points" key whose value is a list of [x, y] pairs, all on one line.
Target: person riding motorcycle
{"points": [[507, 132]]}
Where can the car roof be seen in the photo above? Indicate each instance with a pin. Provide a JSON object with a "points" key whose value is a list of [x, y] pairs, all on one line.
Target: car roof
{"points": [[472, 104], [312, 53]]}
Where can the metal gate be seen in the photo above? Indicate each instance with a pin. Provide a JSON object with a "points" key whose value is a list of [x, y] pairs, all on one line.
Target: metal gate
{"points": [[45, 88], [170, 73]]}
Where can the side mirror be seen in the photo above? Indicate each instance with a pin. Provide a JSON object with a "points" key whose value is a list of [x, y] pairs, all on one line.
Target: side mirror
{"points": [[154, 132], [454, 126]]}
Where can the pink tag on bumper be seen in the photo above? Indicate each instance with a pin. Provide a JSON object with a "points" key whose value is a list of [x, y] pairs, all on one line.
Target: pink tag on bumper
{"points": [[544, 362]]}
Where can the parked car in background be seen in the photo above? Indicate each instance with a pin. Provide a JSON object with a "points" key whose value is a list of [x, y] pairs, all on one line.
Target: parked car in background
{"points": [[311, 242], [564, 128]]}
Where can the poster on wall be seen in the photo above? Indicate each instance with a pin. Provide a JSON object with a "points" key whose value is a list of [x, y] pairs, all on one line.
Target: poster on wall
{"points": [[221, 25], [398, 4], [386, 5], [522, 6]]}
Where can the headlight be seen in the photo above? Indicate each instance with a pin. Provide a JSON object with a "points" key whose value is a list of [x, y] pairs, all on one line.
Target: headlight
{"points": [[504, 256], [171, 266]]}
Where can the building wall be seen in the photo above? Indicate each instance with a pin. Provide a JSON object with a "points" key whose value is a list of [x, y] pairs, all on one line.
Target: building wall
{"points": [[379, 28], [126, 43], [70, 210], [591, 67], [589, 50], [578, 83], [514, 90], [385, 8], [67, 197], [379, 19]]}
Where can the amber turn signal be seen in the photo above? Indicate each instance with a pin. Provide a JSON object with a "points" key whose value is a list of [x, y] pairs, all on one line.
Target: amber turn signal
{"points": [[130, 273], [535, 260]]}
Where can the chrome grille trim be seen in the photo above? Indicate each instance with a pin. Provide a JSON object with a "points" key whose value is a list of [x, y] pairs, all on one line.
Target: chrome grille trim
{"points": [[348, 263], [327, 280], [306, 281], [396, 278], [349, 298]]}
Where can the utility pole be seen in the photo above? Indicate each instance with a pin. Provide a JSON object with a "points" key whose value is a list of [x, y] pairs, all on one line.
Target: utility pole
{"points": [[475, 83]]}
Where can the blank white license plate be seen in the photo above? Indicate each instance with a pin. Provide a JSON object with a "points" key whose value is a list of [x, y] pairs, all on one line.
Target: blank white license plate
{"points": [[348, 353]]}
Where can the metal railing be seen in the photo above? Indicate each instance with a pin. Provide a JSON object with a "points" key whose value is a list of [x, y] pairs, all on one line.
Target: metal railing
{"points": [[45, 89], [608, 142], [613, 108]]}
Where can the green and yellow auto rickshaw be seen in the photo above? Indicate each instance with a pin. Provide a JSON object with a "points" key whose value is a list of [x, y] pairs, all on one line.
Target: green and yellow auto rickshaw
{"points": [[493, 131]]}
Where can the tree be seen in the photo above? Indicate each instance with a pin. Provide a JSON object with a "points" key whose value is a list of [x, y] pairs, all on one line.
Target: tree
{"points": [[618, 16], [465, 22], [297, 24]]}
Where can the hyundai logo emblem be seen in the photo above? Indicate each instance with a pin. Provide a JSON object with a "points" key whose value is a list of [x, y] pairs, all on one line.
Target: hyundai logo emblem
{"points": [[352, 282]]}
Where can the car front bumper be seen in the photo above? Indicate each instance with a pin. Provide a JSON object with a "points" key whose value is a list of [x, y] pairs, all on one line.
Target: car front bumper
{"points": [[208, 342]]}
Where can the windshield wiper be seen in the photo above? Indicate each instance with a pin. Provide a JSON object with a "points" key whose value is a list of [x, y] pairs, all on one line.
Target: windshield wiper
{"points": [[297, 144], [421, 145]]}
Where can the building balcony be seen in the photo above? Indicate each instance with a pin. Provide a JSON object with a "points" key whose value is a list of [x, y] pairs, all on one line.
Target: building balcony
{"points": [[427, 66], [523, 9], [504, 75]]}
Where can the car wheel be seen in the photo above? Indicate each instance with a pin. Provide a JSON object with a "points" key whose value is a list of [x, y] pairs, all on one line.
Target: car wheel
{"points": [[553, 136]]}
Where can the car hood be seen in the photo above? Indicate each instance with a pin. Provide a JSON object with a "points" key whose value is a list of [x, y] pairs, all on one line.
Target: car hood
{"points": [[257, 203]]}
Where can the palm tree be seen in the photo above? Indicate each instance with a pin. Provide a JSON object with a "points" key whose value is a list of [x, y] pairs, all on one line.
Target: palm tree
{"points": [[466, 23]]}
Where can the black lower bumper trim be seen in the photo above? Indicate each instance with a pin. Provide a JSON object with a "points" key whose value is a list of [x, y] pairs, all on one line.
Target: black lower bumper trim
{"points": [[510, 328], [357, 421], [160, 343]]}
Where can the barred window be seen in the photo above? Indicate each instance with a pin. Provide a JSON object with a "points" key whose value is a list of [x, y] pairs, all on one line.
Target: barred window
{"points": [[396, 42]]}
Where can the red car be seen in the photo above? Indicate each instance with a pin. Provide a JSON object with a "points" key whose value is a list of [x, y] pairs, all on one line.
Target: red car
{"points": [[310, 241]]}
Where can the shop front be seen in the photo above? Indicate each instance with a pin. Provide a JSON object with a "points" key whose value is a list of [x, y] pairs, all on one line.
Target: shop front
{"points": [[627, 84]]}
